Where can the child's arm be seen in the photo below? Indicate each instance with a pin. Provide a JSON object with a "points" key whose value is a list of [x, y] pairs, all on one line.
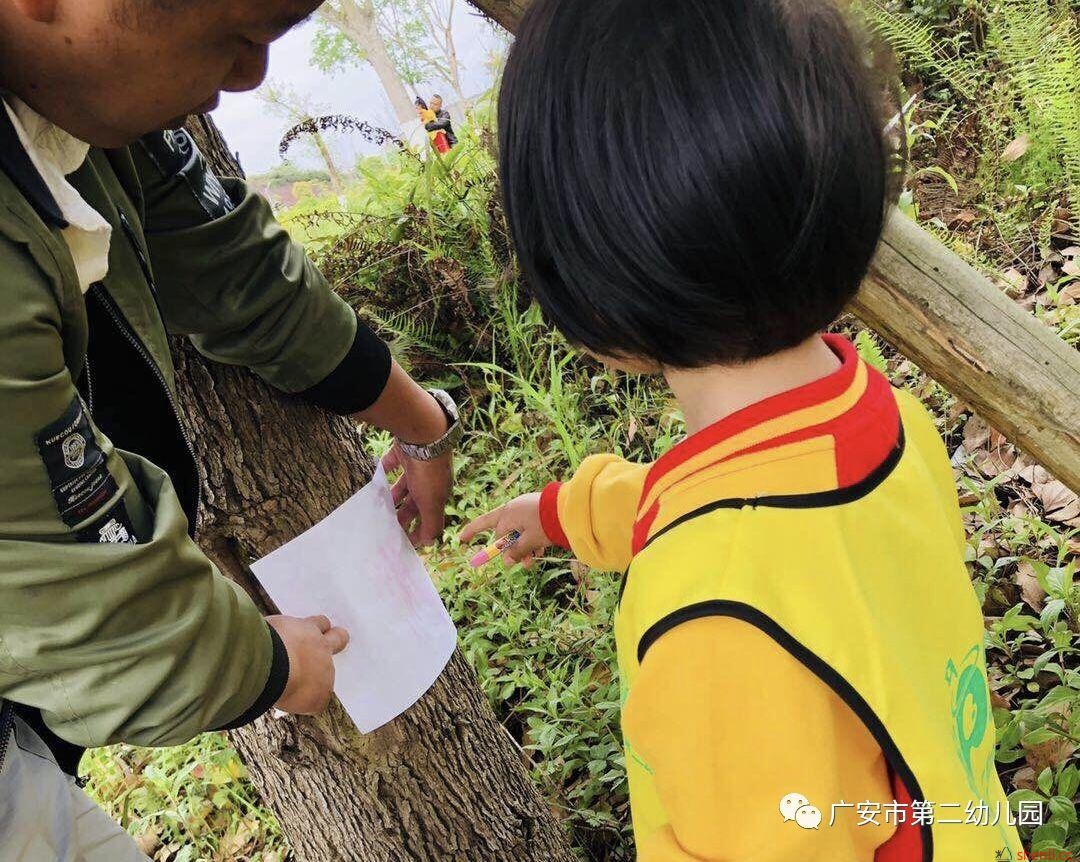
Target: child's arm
{"points": [[729, 723], [591, 515]]}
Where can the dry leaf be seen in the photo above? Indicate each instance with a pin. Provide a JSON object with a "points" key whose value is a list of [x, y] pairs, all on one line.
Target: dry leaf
{"points": [[1024, 779], [1055, 750], [1071, 267], [1017, 147], [1070, 295], [1034, 474], [631, 431], [999, 701], [1015, 281], [961, 219], [148, 841], [1030, 589], [1059, 503], [976, 433], [1048, 271]]}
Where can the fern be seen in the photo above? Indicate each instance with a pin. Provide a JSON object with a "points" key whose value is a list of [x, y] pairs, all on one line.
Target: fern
{"points": [[921, 47], [1037, 45], [1025, 81]]}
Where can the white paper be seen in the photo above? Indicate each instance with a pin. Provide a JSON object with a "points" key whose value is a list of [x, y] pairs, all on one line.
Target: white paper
{"points": [[357, 567]]}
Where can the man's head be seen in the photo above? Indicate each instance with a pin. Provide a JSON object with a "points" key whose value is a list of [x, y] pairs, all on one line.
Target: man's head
{"points": [[108, 71], [436, 103], [715, 200]]}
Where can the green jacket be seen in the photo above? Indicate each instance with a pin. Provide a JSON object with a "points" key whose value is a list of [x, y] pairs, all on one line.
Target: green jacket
{"points": [[112, 622]]}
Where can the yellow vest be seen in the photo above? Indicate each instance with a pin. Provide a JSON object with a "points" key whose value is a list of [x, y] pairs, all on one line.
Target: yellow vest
{"points": [[866, 587]]}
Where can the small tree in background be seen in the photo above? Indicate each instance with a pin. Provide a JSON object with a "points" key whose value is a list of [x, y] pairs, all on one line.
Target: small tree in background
{"points": [[285, 101]]}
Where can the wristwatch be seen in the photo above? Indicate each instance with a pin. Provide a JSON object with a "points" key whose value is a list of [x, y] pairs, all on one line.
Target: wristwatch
{"points": [[454, 431]]}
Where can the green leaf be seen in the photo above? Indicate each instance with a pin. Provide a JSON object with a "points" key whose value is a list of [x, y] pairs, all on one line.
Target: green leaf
{"points": [[1069, 781], [1062, 809]]}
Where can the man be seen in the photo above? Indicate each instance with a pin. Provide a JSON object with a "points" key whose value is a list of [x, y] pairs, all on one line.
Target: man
{"points": [[442, 121], [113, 625]]}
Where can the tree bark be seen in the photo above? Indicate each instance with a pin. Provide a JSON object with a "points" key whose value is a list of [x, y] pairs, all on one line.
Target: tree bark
{"points": [[442, 782], [960, 329]]}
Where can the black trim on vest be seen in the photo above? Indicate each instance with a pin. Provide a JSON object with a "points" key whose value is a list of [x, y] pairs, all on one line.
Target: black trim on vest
{"points": [[816, 500], [816, 665], [15, 162]]}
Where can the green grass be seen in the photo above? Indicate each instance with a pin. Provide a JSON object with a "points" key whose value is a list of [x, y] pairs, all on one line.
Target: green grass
{"points": [[425, 258]]}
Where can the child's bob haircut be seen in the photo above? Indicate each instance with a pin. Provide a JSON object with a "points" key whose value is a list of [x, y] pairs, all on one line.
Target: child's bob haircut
{"points": [[690, 182]]}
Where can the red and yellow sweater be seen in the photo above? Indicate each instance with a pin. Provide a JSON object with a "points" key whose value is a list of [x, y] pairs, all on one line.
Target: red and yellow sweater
{"points": [[796, 618]]}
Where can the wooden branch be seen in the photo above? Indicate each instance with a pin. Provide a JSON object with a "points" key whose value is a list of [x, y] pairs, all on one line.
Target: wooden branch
{"points": [[977, 343], [961, 330]]}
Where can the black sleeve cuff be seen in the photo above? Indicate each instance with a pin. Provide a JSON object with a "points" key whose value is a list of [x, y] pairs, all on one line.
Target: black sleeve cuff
{"points": [[359, 379], [275, 684]]}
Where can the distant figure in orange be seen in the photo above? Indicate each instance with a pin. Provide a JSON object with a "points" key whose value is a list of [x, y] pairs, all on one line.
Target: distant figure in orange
{"points": [[439, 139], [442, 121]]}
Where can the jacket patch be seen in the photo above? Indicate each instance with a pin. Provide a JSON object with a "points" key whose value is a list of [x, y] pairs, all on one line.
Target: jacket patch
{"points": [[113, 528], [175, 154], [78, 476]]}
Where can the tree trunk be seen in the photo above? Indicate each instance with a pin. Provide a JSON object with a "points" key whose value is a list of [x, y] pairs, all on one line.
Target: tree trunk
{"points": [[357, 19], [442, 782], [961, 330], [324, 150]]}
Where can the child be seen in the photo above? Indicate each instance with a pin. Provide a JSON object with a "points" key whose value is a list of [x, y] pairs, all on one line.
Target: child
{"points": [[799, 644], [427, 117]]}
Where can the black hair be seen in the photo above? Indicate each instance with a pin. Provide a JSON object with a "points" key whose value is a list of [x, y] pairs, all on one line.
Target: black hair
{"points": [[691, 182], [420, 103]]}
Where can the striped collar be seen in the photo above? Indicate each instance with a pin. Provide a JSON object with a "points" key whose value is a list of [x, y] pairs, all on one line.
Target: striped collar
{"points": [[825, 436]]}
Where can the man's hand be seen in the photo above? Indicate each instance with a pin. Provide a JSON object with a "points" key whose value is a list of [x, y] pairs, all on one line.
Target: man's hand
{"points": [[420, 494], [411, 414], [311, 643], [521, 514]]}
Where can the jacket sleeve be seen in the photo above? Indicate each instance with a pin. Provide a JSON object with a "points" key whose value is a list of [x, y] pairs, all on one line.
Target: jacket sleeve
{"points": [[228, 275], [720, 778], [593, 514], [112, 622]]}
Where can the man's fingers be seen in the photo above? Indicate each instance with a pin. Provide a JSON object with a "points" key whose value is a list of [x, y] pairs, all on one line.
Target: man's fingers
{"points": [[485, 522], [337, 639], [407, 514], [391, 460], [400, 490], [321, 622]]}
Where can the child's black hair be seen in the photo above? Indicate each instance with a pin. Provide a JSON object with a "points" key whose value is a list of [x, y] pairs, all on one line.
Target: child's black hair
{"points": [[690, 182]]}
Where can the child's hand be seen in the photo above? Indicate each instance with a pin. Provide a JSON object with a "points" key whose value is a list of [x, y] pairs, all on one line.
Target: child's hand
{"points": [[521, 514]]}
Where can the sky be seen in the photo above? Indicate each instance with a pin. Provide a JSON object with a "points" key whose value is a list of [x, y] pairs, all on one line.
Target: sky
{"points": [[254, 132]]}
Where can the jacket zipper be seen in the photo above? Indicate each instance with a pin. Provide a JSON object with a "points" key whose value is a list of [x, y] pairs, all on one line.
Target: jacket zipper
{"points": [[7, 727], [144, 264], [89, 386], [121, 323]]}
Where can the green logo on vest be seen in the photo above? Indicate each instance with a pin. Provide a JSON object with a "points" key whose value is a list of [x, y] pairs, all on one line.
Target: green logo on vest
{"points": [[971, 718], [971, 721]]}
